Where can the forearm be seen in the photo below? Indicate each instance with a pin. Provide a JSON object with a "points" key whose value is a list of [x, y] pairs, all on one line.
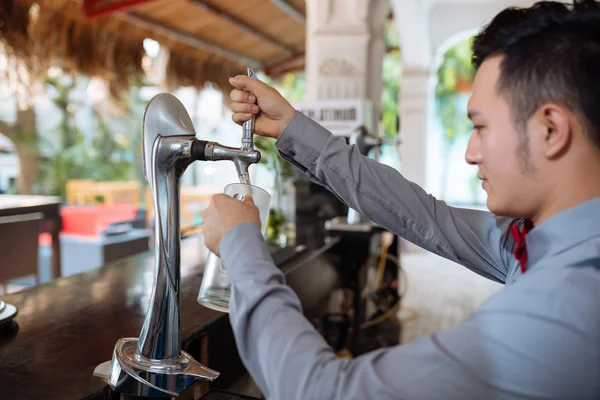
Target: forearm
{"points": [[279, 347], [283, 352]]}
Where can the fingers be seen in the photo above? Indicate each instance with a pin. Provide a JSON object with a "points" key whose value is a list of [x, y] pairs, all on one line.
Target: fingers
{"points": [[248, 199], [240, 96], [248, 84], [243, 105], [240, 118], [244, 108], [219, 197]]}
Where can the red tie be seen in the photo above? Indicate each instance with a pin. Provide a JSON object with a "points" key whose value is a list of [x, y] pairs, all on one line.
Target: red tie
{"points": [[520, 251]]}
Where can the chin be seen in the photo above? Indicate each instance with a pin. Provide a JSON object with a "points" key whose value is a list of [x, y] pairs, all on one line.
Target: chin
{"points": [[502, 210], [495, 208]]}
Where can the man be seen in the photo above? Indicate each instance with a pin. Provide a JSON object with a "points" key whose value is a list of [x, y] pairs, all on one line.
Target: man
{"points": [[536, 144]]}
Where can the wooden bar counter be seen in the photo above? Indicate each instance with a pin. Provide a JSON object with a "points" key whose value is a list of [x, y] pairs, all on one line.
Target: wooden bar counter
{"points": [[69, 326]]}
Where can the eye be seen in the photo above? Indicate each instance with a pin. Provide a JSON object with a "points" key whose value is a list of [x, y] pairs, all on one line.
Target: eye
{"points": [[477, 128]]}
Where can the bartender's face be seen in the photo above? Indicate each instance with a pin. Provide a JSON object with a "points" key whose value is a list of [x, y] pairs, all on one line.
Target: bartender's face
{"points": [[496, 147]]}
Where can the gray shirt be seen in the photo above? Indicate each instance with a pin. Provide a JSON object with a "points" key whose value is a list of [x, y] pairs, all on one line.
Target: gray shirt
{"points": [[538, 338]]}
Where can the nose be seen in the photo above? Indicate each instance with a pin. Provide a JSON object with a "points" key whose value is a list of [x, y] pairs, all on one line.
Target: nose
{"points": [[473, 154]]}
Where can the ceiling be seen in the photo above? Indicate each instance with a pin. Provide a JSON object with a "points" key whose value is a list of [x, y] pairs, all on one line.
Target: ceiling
{"points": [[263, 34]]}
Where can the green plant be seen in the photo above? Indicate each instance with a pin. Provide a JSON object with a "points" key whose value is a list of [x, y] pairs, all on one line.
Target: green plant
{"points": [[110, 152], [454, 78], [391, 72], [292, 86], [282, 171]]}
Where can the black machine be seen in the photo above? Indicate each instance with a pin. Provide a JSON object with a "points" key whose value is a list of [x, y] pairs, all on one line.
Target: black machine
{"points": [[362, 323]]}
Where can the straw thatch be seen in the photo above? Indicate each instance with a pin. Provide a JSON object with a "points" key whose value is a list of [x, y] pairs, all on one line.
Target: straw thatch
{"points": [[14, 21], [55, 32], [42, 36], [187, 70]]}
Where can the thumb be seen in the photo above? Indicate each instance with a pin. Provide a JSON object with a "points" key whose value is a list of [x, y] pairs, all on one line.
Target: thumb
{"points": [[248, 84], [248, 199]]}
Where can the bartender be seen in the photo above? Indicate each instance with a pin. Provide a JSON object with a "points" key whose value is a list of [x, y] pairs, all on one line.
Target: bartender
{"points": [[536, 144]]}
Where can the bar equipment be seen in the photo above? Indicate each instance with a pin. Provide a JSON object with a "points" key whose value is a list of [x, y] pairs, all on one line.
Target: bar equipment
{"points": [[153, 365], [215, 289]]}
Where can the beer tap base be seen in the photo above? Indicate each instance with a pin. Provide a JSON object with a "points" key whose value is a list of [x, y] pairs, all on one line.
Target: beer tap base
{"points": [[135, 375]]}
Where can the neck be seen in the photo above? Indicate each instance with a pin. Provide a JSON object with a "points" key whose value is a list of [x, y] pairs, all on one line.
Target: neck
{"points": [[575, 183]]}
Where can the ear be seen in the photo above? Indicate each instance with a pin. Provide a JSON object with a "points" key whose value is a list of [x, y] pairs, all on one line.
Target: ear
{"points": [[554, 125]]}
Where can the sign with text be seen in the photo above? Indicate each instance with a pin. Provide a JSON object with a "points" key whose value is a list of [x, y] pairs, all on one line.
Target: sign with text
{"points": [[341, 116]]}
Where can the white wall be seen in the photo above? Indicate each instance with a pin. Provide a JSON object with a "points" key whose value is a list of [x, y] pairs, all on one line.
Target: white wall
{"points": [[426, 29], [449, 18]]}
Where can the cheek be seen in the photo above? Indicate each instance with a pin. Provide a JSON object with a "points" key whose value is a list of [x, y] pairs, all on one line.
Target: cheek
{"points": [[500, 158]]}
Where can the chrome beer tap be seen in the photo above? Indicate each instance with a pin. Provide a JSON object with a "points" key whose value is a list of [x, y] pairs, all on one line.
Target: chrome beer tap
{"points": [[242, 157], [154, 365]]}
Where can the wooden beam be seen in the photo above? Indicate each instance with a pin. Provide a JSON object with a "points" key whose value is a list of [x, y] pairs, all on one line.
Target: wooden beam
{"points": [[203, 5], [290, 70], [274, 69], [289, 10], [173, 33]]}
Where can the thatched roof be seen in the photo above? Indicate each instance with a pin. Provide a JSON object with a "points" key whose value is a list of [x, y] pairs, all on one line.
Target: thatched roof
{"points": [[208, 40]]}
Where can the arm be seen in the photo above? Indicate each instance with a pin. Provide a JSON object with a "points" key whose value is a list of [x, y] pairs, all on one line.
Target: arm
{"points": [[501, 353], [475, 239]]}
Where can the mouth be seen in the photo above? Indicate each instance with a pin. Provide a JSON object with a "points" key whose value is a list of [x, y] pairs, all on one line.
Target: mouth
{"points": [[483, 181]]}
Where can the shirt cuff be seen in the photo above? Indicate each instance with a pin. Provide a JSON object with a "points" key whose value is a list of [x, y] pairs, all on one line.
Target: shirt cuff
{"points": [[243, 246], [302, 140]]}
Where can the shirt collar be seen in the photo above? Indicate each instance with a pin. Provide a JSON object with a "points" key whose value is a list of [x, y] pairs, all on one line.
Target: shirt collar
{"points": [[563, 230]]}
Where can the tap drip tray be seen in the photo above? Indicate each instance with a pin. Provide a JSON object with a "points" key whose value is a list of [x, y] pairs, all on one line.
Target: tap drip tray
{"points": [[192, 394], [216, 394]]}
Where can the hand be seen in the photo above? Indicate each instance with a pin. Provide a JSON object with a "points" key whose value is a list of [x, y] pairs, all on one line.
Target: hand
{"points": [[273, 112], [222, 214]]}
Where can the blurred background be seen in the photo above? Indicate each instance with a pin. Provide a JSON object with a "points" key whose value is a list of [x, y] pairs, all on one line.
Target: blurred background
{"points": [[76, 76]]}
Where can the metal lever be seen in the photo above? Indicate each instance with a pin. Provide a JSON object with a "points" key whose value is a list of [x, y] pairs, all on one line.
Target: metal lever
{"points": [[248, 126], [242, 157]]}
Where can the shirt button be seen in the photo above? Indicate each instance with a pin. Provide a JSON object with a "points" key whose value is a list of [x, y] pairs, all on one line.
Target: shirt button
{"points": [[291, 153]]}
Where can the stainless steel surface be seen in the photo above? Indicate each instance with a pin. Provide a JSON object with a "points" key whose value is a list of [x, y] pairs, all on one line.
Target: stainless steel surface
{"points": [[154, 364], [139, 376], [168, 135], [242, 157], [248, 126]]}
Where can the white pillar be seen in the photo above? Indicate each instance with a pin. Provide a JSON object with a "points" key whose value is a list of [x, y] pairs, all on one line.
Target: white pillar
{"points": [[416, 117], [345, 48], [416, 87]]}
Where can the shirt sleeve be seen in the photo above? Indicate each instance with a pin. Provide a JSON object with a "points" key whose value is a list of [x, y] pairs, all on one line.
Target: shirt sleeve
{"points": [[500, 353], [476, 239]]}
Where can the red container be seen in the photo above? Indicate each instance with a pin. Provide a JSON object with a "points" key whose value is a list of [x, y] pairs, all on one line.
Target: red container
{"points": [[91, 220]]}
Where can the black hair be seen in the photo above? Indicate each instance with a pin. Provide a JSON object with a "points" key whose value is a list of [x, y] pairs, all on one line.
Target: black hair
{"points": [[551, 53]]}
